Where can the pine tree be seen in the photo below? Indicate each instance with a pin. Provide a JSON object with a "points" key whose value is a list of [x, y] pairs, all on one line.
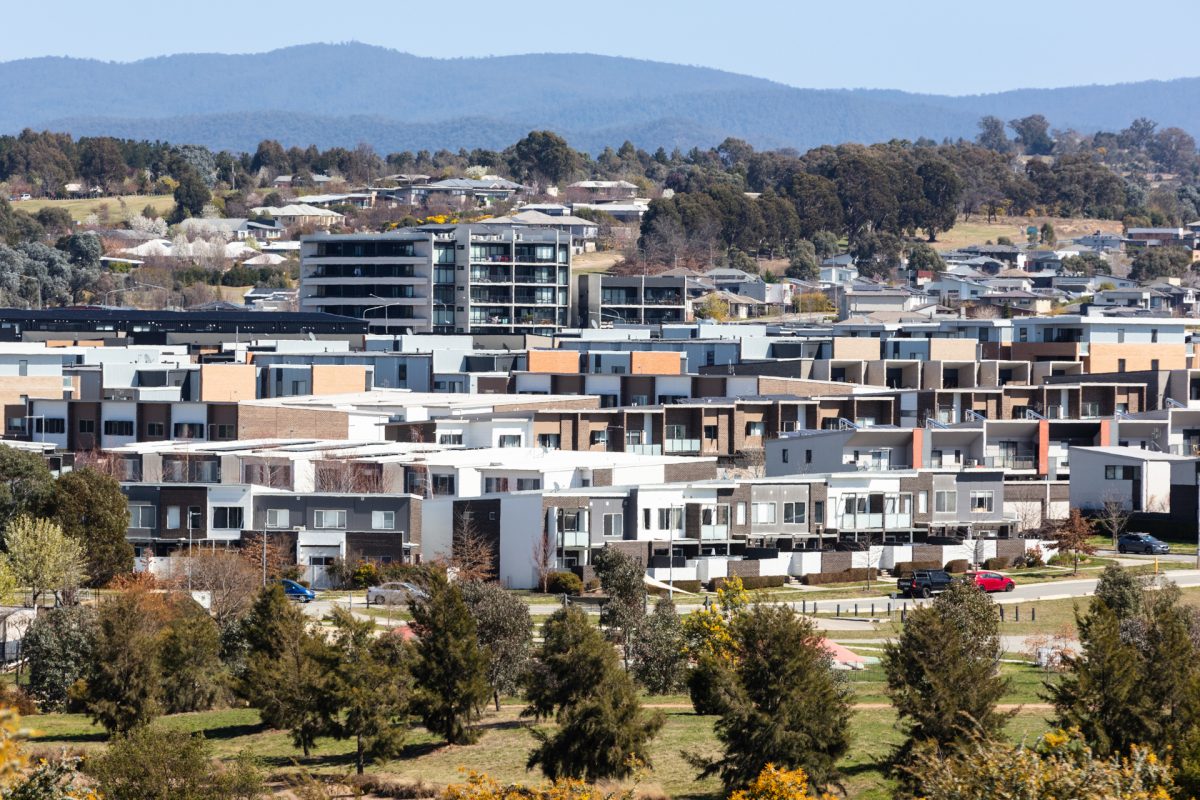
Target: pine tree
{"points": [[450, 671], [287, 679], [371, 688], [950, 644], [779, 699], [602, 730], [123, 689], [1101, 693], [190, 659]]}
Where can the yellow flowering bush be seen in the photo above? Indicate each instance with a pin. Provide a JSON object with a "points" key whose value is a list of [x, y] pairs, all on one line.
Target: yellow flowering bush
{"points": [[481, 786], [774, 783], [706, 632], [1059, 765]]}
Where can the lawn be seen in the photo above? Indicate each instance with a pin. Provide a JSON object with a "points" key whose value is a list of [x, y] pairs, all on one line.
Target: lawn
{"points": [[977, 230], [505, 744], [80, 209]]}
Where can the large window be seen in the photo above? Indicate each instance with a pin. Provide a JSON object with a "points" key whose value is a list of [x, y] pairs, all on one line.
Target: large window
{"points": [[794, 513], [141, 517], [383, 520], [277, 518], [495, 485], [945, 502], [227, 517], [982, 502], [118, 427], [329, 519], [528, 484], [614, 525], [1113, 472], [764, 513], [670, 519], [509, 440], [187, 430], [443, 484], [450, 438]]}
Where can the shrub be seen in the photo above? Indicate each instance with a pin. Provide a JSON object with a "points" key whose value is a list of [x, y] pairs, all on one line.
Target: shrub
{"points": [[845, 576], [957, 566], [1034, 557], [997, 562], [752, 582], [563, 583], [592, 585], [909, 567]]}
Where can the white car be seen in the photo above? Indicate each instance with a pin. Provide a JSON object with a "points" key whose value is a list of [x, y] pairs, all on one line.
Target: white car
{"points": [[394, 593]]}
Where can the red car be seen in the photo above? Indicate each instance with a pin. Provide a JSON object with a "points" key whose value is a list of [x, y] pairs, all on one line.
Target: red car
{"points": [[992, 581]]}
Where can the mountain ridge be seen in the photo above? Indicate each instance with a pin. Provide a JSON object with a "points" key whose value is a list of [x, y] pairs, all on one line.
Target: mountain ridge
{"points": [[341, 94]]}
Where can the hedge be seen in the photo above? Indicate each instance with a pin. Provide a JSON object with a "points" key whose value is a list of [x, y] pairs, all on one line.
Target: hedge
{"points": [[753, 582], [909, 567], [999, 562], [957, 566], [845, 576]]}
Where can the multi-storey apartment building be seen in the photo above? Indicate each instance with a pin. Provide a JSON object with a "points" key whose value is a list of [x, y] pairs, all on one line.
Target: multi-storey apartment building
{"points": [[442, 279]]}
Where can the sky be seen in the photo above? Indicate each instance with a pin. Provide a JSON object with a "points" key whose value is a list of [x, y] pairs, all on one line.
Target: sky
{"points": [[937, 46]]}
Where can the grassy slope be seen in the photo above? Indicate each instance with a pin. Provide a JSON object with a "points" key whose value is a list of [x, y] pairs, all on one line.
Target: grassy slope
{"points": [[977, 230], [79, 209]]}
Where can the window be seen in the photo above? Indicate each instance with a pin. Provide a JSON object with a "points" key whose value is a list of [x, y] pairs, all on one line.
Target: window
{"points": [[383, 520], [195, 518], [1120, 365], [277, 518], [188, 430], [945, 502], [599, 437], [528, 484], [493, 485], [118, 427], [639, 400], [141, 517], [156, 430], [1154, 364], [222, 432], [923, 502], [450, 438], [328, 519], [982, 502], [510, 440], [443, 484], [646, 518], [808, 456], [755, 428], [764, 513], [50, 425], [794, 513], [819, 511], [710, 432], [670, 519], [1153, 335], [549, 441], [785, 456], [614, 525], [227, 517], [1113, 472], [172, 518]]}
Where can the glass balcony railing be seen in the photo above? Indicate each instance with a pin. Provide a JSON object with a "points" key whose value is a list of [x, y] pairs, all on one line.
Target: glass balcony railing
{"points": [[644, 449], [681, 446]]}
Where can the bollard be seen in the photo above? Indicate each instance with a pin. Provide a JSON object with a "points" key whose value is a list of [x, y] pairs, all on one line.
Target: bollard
{"points": [[1016, 613], [903, 614], [803, 606], [1033, 614], [1002, 613], [856, 609], [889, 609], [872, 609], [838, 613]]}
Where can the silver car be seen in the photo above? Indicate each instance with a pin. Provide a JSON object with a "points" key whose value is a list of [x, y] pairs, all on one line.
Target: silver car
{"points": [[394, 593]]}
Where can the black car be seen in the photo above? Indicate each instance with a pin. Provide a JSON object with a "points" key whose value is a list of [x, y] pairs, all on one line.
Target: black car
{"points": [[1142, 543], [924, 582]]}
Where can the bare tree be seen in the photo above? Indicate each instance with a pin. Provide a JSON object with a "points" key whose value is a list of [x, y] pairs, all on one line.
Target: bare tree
{"points": [[262, 551], [1113, 518], [1029, 515], [229, 578], [345, 476], [543, 558], [472, 556]]}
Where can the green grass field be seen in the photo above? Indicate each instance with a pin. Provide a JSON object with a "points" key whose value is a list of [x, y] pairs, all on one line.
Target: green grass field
{"points": [[506, 741], [80, 209]]}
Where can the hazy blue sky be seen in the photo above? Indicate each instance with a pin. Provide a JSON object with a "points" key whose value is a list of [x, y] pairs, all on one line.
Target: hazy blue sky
{"points": [[955, 47]]}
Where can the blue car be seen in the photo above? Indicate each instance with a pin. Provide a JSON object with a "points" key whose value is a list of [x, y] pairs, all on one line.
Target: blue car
{"points": [[295, 591]]}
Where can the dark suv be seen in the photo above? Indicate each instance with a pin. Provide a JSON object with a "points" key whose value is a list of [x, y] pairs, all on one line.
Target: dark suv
{"points": [[1142, 543], [924, 582]]}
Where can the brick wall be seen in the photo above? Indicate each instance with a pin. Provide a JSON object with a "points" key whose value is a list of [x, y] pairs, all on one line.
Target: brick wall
{"points": [[283, 422]]}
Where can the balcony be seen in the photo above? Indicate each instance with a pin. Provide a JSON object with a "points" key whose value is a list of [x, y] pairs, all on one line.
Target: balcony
{"points": [[681, 446], [491, 276], [644, 449], [574, 538], [873, 522], [1011, 462], [480, 295]]}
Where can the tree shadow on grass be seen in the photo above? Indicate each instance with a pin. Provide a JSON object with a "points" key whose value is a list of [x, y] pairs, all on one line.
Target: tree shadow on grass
{"points": [[234, 731], [69, 738], [315, 761]]}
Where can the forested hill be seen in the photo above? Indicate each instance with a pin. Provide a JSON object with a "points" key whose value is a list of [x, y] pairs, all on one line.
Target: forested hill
{"points": [[333, 94]]}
